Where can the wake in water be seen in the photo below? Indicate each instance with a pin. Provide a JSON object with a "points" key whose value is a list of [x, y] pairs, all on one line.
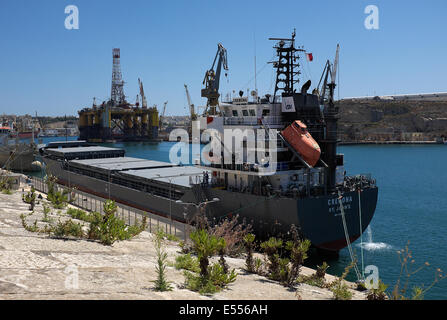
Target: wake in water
{"points": [[373, 246]]}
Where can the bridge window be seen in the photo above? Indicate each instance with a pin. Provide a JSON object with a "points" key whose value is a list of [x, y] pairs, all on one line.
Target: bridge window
{"points": [[245, 113], [235, 113], [252, 113]]}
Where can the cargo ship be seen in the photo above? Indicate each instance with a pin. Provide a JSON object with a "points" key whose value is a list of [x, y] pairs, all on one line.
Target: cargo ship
{"points": [[308, 186]]}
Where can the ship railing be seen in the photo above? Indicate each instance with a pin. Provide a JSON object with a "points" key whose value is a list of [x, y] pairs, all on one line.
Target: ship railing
{"points": [[361, 181], [252, 121], [249, 167], [130, 215]]}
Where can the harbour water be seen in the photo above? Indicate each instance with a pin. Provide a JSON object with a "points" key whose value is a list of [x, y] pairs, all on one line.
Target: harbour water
{"points": [[412, 207]]}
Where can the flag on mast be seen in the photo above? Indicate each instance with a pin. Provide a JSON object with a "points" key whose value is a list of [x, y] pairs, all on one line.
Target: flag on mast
{"points": [[309, 56]]}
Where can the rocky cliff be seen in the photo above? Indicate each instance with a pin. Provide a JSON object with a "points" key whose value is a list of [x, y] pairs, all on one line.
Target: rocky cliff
{"points": [[392, 120]]}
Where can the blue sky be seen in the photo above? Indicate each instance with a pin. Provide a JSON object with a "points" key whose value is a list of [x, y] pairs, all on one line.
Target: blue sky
{"points": [[54, 71]]}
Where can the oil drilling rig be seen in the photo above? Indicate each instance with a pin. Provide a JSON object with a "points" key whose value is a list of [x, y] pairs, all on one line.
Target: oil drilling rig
{"points": [[117, 119], [212, 79]]}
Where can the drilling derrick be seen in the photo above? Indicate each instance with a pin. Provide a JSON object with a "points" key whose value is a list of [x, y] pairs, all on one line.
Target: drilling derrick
{"points": [[117, 96], [117, 119]]}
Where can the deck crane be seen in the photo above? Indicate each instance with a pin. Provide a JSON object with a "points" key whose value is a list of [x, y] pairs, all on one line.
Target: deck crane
{"points": [[190, 105], [143, 97], [211, 81]]}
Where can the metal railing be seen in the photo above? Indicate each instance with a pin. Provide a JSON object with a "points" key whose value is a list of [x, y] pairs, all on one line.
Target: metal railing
{"points": [[130, 215], [252, 121]]}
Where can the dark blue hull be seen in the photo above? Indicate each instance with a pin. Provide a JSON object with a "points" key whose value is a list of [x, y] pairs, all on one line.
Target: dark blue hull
{"points": [[319, 219]]}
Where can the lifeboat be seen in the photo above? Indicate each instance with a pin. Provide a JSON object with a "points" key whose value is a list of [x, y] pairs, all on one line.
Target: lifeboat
{"points": [[300, 139]]}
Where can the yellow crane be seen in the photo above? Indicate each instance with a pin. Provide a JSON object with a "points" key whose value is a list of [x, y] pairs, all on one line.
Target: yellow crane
{"points": [[162, 117], [190, 105], [143, 97]]}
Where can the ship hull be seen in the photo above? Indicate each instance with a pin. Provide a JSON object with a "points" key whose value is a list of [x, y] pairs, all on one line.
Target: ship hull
{"points": [[318, 219]]}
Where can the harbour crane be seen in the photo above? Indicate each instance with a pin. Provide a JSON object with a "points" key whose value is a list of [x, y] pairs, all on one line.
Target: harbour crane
{"points": [[190, 105], [143, 97], [162, 117], [328, 86], [211, 81]]}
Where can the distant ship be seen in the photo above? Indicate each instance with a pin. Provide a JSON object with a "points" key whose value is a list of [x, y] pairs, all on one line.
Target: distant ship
{"points": [[27, 134]]}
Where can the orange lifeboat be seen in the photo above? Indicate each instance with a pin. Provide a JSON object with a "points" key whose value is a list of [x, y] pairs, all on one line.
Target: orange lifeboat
{"points": [[300, 139]]}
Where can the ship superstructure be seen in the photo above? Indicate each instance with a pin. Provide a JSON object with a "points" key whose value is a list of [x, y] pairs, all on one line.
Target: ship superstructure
{"points": [[316, 189]]}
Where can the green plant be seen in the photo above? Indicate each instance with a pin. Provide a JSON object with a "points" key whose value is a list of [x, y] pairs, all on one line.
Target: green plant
{"points": [[298, 254], [216, 280], [110, 207], [271, 249], [249, 240], [341, 292], [161, 284], [80, 215], [109, 228], [68, 228], [318, 278], [321, 270], [168, 236], [112, 229], [379, 293], [205, 246], [6, 184], [221, 277], [46, 218], [199, 284], [32, 228], [418, 293], [46, 209], [30, 198], [57, 198], [339, 288], [210, 278], [258, 265], [187, 262]]}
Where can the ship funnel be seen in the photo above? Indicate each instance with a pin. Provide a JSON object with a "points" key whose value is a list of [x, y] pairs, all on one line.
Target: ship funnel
{"points": [[306, 87]]}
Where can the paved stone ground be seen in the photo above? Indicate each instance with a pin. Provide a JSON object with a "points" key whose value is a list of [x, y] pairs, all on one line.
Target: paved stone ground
{"points": [[34, 266]]}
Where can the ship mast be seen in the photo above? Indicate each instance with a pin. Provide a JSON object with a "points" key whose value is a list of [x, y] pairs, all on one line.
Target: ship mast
{"points": [[331, 121], [286, 66]]}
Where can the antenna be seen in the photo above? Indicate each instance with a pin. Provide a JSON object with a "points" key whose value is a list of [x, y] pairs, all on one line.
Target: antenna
{"points": [[256, 84]]}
